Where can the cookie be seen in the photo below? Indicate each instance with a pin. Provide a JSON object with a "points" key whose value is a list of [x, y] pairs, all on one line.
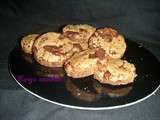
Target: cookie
{"points": [[79, 34], [27, 43], [52, 50], [115, 72], [108, 39], [84, 63]]}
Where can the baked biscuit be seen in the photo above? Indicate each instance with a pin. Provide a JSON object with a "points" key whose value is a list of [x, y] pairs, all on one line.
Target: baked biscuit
{"points": [[84, 63], [51, 50], [79, 34], [115, 72], [27, 43], [108, 39]]}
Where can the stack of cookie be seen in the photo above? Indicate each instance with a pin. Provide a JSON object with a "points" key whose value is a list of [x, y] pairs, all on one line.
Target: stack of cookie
{"points": [[83, 50]]}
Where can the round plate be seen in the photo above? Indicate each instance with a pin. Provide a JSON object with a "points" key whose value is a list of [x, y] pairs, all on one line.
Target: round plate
{"points": [[52, 84]]}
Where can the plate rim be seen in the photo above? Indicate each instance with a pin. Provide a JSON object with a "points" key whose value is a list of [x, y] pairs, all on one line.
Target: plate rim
{"points": [[80, 107]]}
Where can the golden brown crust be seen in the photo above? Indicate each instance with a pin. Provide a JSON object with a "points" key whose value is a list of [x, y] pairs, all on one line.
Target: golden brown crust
{"points": [[52, 51], [27, 42], [107, 33], [70, 49], [79, 34], [109, 40], [84, 63], [115, 72]]}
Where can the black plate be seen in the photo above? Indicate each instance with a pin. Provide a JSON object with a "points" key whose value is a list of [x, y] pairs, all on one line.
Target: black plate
{"points": [[52, 84]]}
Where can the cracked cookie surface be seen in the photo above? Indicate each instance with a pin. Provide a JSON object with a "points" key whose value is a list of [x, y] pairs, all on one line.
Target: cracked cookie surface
{"points": [[52, 50], [79, 34], [84, 63], [115, 72], [27, 42], [108, 39]]}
